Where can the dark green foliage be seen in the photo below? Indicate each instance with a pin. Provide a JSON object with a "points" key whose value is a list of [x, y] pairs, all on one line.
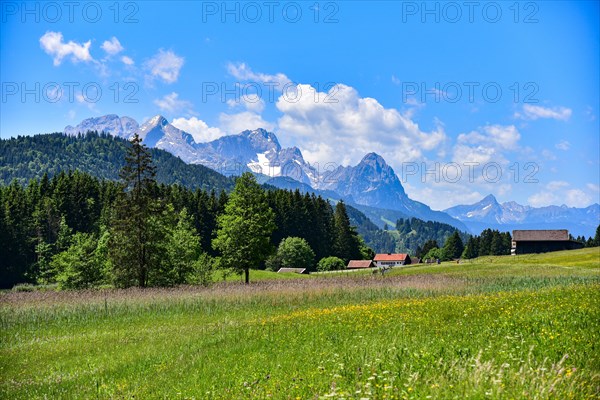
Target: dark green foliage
{"points": [[471, 248], [346, 244], [244, 229], [38, 222], [453, 248], [380, 241], [137, 233], [294, 252], [331, 264], [80, 265], [28, 157], [414, 233], [489, 243], [427, 247]]}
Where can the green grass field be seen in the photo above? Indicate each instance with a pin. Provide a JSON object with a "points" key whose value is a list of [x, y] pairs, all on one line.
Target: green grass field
{"points": [[498, 327]]}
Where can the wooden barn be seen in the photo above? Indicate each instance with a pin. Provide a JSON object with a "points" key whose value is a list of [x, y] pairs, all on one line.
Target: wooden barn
{"points": [[542, 241], [391, 259]]}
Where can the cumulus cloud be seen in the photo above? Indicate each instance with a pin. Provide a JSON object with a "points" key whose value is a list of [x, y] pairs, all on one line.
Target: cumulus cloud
{"points": [[244, 73], [531, 112], [165, 65], [54, 45], [488, 144], [171, 103], [198, 129], [112, 46], [324, 123], [236, 123]]}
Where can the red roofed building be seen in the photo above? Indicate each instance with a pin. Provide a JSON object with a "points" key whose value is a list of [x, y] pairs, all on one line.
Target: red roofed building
{"points": [[357, 264], [391, 259]]}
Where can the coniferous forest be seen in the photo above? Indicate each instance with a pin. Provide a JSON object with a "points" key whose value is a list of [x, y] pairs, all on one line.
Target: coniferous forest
{"points": [[81, 231]]}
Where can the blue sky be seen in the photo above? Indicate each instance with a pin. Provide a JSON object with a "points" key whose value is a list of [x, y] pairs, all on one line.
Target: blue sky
{"points": [[438, 89]]}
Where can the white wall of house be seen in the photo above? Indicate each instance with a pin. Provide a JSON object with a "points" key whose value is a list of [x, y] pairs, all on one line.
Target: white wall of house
{"points": [[388, 263]]}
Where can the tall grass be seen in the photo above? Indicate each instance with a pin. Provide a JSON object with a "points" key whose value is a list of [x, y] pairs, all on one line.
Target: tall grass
{"points": [[493, 328]]}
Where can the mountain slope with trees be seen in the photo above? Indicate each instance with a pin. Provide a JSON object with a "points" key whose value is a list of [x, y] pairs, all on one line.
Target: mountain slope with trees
{"points": [[27, 157]]}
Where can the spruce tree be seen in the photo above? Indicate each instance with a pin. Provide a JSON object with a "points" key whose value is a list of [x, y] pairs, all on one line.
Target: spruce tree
{"points": [[453, 248], [134, 236], [346, 243], [470, 249]]}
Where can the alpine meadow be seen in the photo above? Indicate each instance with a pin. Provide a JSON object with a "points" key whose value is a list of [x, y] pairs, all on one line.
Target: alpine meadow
{"points": [[300, 200]]}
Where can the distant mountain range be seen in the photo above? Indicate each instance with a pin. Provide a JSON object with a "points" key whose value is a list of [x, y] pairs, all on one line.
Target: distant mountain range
{"points": [[372, 186], [488, 213], [371, 183]]}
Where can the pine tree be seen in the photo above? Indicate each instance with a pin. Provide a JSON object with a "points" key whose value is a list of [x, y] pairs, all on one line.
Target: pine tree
{"points": [[245, 228], [453, 248], [429, 245], [496, 244], [346, 244], [470, 249], [134, 234]]}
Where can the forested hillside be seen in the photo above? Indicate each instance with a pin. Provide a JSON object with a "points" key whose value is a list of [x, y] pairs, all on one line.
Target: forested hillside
{"points": [[413, 233], [27, 157]]}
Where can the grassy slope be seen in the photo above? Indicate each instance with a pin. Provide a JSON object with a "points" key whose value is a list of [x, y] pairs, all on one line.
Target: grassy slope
{"points": [[500, 327]]}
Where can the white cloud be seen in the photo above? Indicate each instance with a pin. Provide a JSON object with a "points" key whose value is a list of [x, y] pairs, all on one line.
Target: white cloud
{"points": [[236, 123], [558, 193], [198, 129], [488, 144], [127, 60], [541, 199], [251, 102], [532, 112], [52, 43], [112, 46], [563, 145], [172, 103], [165, 65], [242, 72], [340, 126], [593, 187], [577, 198], [557, 185], [548, 154], [441, 197]]}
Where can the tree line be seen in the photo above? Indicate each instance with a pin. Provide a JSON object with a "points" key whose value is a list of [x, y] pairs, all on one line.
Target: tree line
{"points": [[81, 231], [414, 234]]}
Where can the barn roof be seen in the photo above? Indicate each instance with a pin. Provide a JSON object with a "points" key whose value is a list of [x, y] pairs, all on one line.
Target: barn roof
{"points": [[296, 270], [360, 264], [541, 235], [391, 257]]}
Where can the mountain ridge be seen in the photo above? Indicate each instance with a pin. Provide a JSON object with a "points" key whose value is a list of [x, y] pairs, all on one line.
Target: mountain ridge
{"points": [[510, 215]]}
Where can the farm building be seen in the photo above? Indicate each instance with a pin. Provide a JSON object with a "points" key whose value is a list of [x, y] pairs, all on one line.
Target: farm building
{"points": [[542, 241], [358, 264], [391, 259]]}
